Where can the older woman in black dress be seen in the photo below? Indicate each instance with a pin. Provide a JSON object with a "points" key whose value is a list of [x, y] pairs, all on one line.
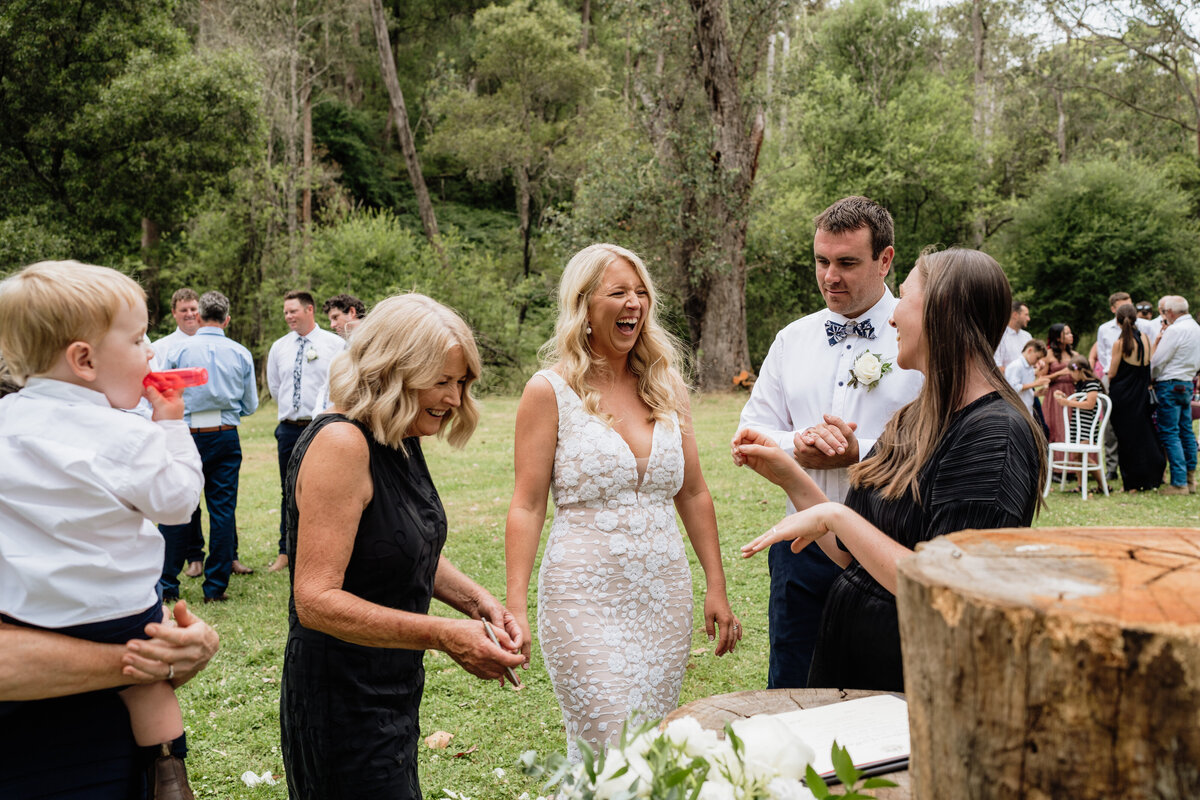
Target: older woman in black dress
{"points": [[965, 454], [366, 529]]}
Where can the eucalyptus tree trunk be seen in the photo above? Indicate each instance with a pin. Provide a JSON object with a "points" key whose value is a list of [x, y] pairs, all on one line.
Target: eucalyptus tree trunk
{"points": [[737, 138], [387, 64]]}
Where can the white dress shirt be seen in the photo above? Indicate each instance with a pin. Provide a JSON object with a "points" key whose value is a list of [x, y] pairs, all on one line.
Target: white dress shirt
{"points": [[1178, 355], [804, 377], [81, 486], [322, 345], [163, 346], [1018, 373], [1011, 344]]}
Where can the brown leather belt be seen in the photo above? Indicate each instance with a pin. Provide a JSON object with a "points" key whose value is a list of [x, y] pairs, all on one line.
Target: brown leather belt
{"points": [[214, 429], [299, 423]]}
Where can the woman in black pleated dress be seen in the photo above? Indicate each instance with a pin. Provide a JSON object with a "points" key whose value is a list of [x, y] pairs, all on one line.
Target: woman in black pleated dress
{"points": [[366, 529], [965, 454]]}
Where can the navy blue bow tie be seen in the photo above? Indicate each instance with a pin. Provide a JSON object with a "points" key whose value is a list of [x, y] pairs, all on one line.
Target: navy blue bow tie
{"points": [[836, 331]]}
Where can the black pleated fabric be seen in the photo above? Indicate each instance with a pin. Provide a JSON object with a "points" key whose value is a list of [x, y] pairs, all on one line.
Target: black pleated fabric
{"points": [[348, 713], [984, 474]]}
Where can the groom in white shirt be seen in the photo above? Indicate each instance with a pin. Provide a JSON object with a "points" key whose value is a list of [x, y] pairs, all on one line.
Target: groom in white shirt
{"points": [[810, 372]]}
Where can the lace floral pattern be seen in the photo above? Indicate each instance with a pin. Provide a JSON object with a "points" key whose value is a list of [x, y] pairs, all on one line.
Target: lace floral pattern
{"points": [[615, 589]]}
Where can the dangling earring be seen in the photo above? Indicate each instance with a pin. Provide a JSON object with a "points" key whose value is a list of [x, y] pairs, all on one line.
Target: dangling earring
{"points": [[589, 330]]}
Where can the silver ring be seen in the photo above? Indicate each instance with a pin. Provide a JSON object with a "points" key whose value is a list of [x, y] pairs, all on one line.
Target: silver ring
{"points": [[737, 627], [170, 672]]}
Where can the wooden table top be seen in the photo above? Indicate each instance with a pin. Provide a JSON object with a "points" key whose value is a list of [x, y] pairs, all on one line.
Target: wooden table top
{"points": [[713, 712]]}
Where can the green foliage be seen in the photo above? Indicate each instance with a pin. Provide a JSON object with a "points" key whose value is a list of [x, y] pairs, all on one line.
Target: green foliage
{"points": [[372, 255], [26, 239], [1091, 228], [875, 117], [106, 117], [843, 767], [349, 138]]}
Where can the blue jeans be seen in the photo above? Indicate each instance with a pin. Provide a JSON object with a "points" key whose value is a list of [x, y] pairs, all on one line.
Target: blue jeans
{"points": [[799, 585], [221, 456], [1174, 415]]}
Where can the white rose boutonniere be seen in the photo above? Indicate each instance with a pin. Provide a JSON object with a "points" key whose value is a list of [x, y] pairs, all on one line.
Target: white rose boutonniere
{"points": [[868, 369], [311, 354]]}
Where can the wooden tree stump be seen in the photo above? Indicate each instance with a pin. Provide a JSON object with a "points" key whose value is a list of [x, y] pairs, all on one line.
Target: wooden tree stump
{"points": [[1059, 663]]}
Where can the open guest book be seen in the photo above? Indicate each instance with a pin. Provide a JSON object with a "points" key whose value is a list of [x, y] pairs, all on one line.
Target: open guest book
{"points": [[873, 729]]}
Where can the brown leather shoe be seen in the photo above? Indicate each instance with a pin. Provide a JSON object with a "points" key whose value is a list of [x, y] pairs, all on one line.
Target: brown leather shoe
{"points": [[168, 777], [1169, 489], [217, 598], [280, 563], [241, 569], [194, 569], [1191, 481]]}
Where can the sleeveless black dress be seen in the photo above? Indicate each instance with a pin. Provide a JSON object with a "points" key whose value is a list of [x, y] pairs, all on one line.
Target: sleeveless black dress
{"points": [[984, 474], [349, 713], [1138, 451]]}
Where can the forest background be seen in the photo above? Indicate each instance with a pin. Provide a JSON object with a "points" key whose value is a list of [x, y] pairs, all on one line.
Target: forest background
{"points": [[466, 150]]}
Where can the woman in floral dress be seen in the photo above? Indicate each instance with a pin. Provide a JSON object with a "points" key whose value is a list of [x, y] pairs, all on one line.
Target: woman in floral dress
{"points": [[607, 428]]}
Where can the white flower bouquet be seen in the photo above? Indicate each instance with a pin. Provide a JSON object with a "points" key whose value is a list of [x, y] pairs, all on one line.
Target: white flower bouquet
{"points": [[759, 758]]}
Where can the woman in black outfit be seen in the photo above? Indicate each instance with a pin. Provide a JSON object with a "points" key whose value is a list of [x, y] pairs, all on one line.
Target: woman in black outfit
{"points": [[1139, 455], [965, 454], [366, 529]]}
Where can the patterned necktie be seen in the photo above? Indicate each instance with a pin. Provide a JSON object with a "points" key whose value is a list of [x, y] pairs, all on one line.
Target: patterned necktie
{"points": [[836, 331], [297, 371]]}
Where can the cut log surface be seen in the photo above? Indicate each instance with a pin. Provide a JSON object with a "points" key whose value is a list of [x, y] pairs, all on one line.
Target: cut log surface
{"points": [[1054, 663]]}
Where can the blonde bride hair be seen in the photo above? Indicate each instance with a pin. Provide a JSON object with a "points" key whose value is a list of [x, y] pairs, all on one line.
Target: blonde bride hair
{"points": [[655, 358], [400, 349]]}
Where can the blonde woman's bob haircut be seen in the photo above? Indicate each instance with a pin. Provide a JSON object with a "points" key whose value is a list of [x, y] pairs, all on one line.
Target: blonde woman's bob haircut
{"points": [[399, 350], [655, 358], [48, 305]]}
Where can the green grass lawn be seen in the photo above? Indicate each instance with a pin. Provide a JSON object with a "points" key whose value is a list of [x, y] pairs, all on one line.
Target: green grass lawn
{"points": [[231, 710]]}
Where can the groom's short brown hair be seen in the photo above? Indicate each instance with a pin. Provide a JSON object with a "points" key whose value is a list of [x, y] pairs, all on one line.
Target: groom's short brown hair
{"points": [[851, 213]]}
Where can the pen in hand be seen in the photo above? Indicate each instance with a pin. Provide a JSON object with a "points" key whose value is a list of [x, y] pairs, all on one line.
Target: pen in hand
{"points": [[512, 676]]}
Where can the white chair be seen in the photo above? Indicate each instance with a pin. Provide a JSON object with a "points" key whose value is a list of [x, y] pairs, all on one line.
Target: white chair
{"points": [[1083, 440]]}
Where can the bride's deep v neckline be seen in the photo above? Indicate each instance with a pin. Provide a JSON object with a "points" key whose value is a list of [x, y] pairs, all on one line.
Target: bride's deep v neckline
{"points": [[639, 469]]}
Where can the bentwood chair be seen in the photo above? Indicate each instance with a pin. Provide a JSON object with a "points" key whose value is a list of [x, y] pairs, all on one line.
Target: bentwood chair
{"points": [[1084, 439]]}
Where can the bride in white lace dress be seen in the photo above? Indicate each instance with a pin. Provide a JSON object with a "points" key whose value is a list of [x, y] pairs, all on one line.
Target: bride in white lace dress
{"points": [[607, 429]]}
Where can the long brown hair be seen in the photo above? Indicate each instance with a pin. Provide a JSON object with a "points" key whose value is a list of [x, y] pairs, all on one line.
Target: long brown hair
{"points": [[966, 307], [1127, 321]]}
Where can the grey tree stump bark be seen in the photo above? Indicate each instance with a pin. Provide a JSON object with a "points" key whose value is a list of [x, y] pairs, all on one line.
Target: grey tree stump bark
{"points": [[1054, 663]]}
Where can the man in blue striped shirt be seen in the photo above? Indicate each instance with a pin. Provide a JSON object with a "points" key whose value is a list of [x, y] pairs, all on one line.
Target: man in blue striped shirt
{"points": [[213, 412]]}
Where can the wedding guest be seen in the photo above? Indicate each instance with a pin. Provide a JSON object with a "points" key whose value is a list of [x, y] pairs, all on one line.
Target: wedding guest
{"points": [[85, 481], [1059, 343], [366, 530], [607, 428], [213, 413], [1086, 383], [813, 370], [1015, 336], [297, 366], [1174, 362], [1142, 461], [965, 454]]}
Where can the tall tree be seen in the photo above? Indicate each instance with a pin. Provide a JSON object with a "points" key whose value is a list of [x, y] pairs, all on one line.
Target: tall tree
{"points": [[110, 124], [387, 63], [528, 108]]}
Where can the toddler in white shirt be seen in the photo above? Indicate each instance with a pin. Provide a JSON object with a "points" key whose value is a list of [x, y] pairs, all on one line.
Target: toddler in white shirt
{"points": [[82, 482]]}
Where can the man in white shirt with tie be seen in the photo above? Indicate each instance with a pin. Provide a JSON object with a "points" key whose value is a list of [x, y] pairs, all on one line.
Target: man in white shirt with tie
{"points": [[297, 366], [809, 372]]}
